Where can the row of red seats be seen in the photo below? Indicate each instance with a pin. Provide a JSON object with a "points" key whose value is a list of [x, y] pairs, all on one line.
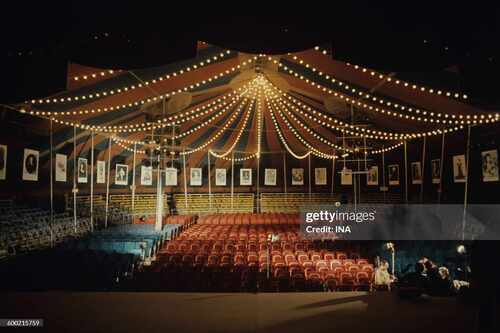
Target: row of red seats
{"points": [[251, 218]]}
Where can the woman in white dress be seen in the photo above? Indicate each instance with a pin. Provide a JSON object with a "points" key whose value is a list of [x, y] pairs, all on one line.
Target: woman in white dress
{"points": [[382, 276]]}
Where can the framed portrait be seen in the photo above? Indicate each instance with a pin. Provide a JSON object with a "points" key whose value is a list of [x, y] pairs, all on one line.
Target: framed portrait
{"points": [[346, 177], [220, 177], [61, 167], [320, 176], [297, 176], [171, 177], [101, 172], [121, 175], [490, 165], [436, 171], [146, 175], [459, 169], [82, 170], [372, 176], [3, 162], [195, 176], [245, 177], [393, 174], [30, 164], [270, 177], [416, 173]]}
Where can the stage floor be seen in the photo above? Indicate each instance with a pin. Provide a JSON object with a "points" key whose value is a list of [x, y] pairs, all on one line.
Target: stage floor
{"points": [[238, 312]]}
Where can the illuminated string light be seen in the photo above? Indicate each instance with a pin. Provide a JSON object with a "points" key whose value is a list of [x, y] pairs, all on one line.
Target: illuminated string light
{"points": [[410, 86], [116, 91]]}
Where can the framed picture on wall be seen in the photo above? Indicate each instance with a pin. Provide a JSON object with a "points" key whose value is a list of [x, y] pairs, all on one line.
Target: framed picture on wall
{"points": [[393, 174], [436, 171], [372, 176], [297, 176], [220, 177], [30, 165], [3, 162], [320, 176], [61, 167], [101, 172], [170, 177], [82, 170], [245, 177], [270, 177], [490, 165], [121, 175], [146, 175], [416, 173], [346, 177], [459, 169], [195, 177]]}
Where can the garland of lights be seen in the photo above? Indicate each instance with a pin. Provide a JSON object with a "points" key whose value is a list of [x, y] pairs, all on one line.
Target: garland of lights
{"points": [[490, 117], [394, 136], [124, 89], [247, 116], [138, 102], [219, 132], [95, 75], [313, 150], [400, 82]]}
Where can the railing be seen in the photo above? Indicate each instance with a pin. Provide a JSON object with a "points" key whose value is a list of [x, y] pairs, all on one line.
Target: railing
{"points": [[197, 203]]}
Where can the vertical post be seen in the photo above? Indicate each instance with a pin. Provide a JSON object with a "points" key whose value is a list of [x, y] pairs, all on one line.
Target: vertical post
{"points": [[75, 174], [441, 162], [383, 172], [159, 198], [334, 160], [406, 173], [284, 176], [133, 179], [91, 181], [209, 181], [107, 182], [423, 171], [258, 183], [466, 188], [51, 183], [232, 182], [185, 181], [309, 174]]}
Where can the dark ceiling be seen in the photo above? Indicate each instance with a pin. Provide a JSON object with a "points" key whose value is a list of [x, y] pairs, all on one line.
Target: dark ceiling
{"points": [[39, 40]]}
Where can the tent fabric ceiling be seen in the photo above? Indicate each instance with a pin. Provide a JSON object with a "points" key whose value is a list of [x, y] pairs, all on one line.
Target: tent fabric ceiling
{"points": [[209, 92]]}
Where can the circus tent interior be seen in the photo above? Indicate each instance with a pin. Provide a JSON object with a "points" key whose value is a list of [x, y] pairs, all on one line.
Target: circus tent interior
{"points": [[189, 181]]}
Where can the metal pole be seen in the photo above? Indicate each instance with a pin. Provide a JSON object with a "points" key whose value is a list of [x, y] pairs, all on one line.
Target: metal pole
{"points": [[284, 176], [258, 183], [423, 171], [107, 183], [383, 173], [467, 153], [75, 174], [133, 179], [159, 198], [232, 181], [309, 176], [92, 181], [185, 181], [209, 181], [406, 173], [333, 175], [51, 183], [441, 162]]}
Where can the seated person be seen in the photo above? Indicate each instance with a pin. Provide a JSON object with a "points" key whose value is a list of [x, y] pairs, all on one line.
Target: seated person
{"points": [[382, 276]]}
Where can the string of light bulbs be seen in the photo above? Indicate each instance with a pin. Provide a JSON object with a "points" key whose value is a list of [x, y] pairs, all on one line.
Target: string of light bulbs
{"points": [[141, 101], [421, 115], [399, 82], [123, 89]]}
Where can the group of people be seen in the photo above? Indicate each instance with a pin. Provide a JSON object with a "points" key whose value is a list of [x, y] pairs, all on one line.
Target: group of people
{"points": [[428, 277]]}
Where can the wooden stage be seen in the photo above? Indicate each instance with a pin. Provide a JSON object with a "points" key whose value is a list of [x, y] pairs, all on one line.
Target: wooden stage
{"points": [[238, 312]]}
